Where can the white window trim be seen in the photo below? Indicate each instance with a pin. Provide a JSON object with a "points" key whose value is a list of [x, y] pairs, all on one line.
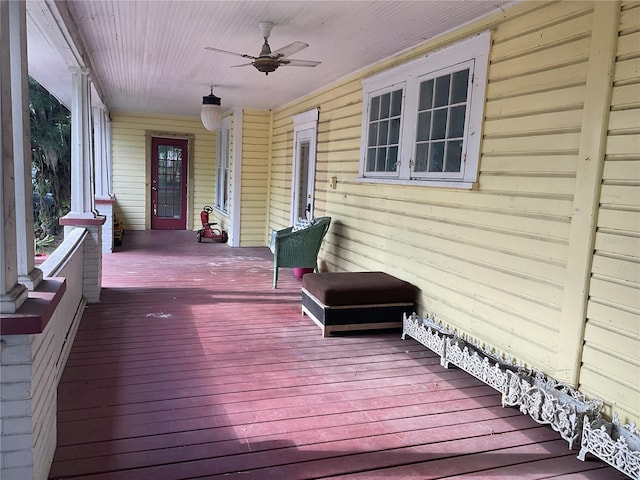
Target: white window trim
{"points": [[222, 142], [305, 125], [408, 76]]}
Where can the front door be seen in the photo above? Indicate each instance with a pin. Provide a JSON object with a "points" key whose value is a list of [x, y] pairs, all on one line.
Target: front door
{"points": [[168, 184]]}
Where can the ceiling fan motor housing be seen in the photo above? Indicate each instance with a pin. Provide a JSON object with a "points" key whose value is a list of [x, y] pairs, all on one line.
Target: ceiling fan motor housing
{"points": [[266, 65]]}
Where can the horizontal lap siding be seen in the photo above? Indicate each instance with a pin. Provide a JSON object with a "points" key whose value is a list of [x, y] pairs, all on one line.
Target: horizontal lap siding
{"points": [[255, 174], [611, 358], [532, 131], [337, 148], [489, 261], [130, 168]]}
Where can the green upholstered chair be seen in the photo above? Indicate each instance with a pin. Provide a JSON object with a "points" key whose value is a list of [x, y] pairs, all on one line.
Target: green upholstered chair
{"points": [[293, 247]]}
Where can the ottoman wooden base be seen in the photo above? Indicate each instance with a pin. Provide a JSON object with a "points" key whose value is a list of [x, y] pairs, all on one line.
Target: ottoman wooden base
{"points": [[354, 317], [343, 301]]}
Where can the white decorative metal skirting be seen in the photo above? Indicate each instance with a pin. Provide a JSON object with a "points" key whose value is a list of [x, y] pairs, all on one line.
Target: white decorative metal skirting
{"points": [[618, 445], [427, 331], [477, 363], [474, 359], [550, 402], [544, 399]]}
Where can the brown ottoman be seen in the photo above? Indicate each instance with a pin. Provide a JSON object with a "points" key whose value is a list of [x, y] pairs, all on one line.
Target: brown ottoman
{"points": [[344, 301]]}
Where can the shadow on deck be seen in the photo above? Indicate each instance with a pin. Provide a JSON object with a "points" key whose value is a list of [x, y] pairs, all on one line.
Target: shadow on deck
{"points": [[192, 366]]}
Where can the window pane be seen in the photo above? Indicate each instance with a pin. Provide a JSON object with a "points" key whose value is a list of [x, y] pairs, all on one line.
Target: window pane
{"points": [[442, 91], [374, 111], [422, 155], [456, 122], [394, 131], [371, 159], [424, 126], [393, 159], [381, 160], [396, 103], [385, 103], [225, 179], [454, 156], [439, 128], [426, 95], [373, 134], [436, 157], [383, 133], [459, 86]]}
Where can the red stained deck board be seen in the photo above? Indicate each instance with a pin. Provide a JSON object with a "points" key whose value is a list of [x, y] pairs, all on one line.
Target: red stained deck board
{"points": [[290, 419], [302, 386], [199, 370], [276, 451], [264, 381], [232, 356], [400, 430], [455, 411], [192, 366], [403, 395]]}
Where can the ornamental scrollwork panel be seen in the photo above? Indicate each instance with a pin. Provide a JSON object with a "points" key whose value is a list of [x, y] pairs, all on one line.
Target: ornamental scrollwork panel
{"points": [[550, 402], [618, 445]]}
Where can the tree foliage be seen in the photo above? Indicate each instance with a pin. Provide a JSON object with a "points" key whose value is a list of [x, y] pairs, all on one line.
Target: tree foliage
{"points": [[50, 157]]}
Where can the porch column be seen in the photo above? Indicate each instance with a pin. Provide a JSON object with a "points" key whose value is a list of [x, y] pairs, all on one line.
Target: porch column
{"points": [[12, 293], [82, 212], [102, 161], [102, 166], [81, 158], [28, 274]]}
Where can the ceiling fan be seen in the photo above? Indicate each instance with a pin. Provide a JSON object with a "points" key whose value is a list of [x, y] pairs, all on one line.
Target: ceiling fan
{"points": [[269, 61]]}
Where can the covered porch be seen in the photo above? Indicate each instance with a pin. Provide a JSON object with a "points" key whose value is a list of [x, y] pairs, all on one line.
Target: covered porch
{"points": [[192, 366]]}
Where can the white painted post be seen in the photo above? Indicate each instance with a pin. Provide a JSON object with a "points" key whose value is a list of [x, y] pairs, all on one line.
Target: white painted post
{"points": [[83, 214], [28, 274], [12, 294], [102, 168], [81, 157], [102, 162]]}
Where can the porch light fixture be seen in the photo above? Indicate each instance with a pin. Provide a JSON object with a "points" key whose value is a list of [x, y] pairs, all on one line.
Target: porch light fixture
{"points": [[211, 112]]}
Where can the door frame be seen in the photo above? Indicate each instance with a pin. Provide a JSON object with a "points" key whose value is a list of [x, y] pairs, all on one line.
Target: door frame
{"points": [[189, 137], [305, 127]]}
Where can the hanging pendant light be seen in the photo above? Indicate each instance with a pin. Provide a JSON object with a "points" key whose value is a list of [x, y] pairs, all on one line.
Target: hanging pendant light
{"points": [[211, 111]]}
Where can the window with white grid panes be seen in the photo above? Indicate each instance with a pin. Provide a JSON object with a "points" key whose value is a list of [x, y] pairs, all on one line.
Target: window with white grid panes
{"points": [[440, 132], [422, 120], [384, 131]]}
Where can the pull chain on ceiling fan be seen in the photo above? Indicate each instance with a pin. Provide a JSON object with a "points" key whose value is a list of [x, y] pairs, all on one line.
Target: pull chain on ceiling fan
{"points": [[268, 61]]}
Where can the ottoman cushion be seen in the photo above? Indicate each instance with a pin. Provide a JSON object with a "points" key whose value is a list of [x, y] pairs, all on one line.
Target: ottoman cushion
{"points": [[358, 288]]}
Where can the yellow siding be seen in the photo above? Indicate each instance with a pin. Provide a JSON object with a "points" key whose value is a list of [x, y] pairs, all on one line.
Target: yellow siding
{"points": [[611, 357], [492, 262], [255, 173], [131, 165]]}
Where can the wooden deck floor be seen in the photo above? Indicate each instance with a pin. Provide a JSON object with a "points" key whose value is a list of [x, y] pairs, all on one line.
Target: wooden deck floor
{"points": [[192, 366]]}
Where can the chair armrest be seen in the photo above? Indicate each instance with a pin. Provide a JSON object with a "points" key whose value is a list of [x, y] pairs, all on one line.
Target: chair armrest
{"points": [[276, 234]]}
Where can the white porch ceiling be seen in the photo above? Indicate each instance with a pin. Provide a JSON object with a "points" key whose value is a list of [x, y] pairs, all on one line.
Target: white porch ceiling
{"points": [[149, 56]]}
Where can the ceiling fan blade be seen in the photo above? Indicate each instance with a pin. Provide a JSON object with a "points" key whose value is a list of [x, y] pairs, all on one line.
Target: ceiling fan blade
{"points": [[298, 63], [242, 65], [244, 55], [290, 49]]}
